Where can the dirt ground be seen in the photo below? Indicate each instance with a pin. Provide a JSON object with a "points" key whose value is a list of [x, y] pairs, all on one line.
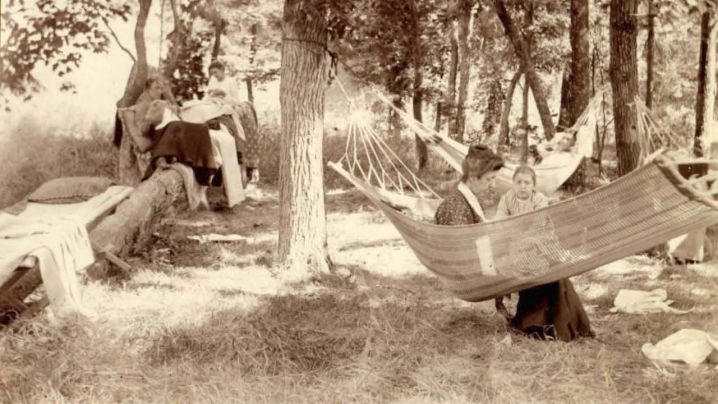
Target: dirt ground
{"points": [[212, 322]]}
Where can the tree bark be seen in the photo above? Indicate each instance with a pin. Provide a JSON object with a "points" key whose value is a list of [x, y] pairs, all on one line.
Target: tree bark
{"points": [[138, 74], [650, 40], [506, 111], [450, 102], [437, 121], [579, 80], [624, 82], [250, 90], [523, 52], [176, 41], [302, 221], [134, 219], [422, 154], [252, 53], [563, 120], [464, 67], [525, 122], [216, 46], [492, 113], [127, 171], [704, 134]]}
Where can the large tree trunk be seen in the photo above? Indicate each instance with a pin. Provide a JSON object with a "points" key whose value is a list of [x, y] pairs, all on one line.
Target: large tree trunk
{"points": [[624, 82], [506, 111], [705, 99], [302, 218], [649, 54], [464, 66], [450, 102], [523, 52]]}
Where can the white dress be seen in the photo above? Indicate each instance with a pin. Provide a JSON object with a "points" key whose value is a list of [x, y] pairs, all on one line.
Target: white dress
{"points": [[228, 86]]}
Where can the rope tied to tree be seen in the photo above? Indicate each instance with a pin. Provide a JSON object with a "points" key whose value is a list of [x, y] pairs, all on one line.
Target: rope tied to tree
{"points": [[334, 56]]}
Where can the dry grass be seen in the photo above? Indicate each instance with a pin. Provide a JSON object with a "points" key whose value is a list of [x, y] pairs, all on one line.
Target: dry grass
{"points": [[32, 154], [364, 338], [186, 327]]}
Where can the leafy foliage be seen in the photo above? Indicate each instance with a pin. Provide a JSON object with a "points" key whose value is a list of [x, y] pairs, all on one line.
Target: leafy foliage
{"points": [[54, 33]]}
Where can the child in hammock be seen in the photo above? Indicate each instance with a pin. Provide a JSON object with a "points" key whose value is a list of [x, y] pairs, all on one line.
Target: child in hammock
{"points": [[552, 310]]}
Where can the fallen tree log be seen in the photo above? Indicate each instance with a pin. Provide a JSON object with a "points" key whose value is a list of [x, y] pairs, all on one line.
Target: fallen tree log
{"points": [[131, 226], [126, 230]]}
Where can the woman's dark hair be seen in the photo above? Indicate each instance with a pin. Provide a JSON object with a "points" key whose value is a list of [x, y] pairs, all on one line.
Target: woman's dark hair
{"points": [[216, 65], [150, 81], [478, 161]]}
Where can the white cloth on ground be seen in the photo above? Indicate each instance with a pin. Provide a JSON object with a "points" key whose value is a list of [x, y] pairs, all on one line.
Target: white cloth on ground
{"points": [[689, 346], [639, 302], [61, 246], [226, 148]]}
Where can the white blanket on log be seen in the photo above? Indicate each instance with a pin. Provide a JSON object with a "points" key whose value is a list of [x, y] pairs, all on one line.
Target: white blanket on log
{"points": [[61, 246]]}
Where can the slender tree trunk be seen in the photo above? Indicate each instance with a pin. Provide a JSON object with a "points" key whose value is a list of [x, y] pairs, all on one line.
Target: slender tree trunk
{"points": [[523, 52], [437, 121], [252, 55], [492, 113], [250, 90], [139, 73], [464, 67], [563, 118], [705, 99], [177, 41], [422, 154], [506, 111], [128, 171], [624, 82], [451, 91], [302, 219], [650, 40], [580, 85], [525, 121], [218, 28]]}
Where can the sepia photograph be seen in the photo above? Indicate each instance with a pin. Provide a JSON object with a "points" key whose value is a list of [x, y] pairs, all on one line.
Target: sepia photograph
{"points": [[359, 201]]}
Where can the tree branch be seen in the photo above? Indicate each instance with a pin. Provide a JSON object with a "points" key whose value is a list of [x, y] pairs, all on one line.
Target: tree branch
{"points": [[114, 35]]}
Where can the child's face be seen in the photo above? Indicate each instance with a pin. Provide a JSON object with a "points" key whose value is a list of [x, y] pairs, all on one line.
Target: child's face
{"points": [[523, 185]]}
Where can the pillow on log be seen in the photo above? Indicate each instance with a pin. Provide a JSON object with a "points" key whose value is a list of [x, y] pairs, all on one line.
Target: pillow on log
{"points": [[70, 190]]}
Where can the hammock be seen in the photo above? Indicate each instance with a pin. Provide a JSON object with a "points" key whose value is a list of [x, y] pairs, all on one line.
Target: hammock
{"points": [[550, 173], [477, 262]]}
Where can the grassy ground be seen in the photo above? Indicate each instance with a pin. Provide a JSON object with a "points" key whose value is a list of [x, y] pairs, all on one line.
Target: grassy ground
{"points": [[209, 323]]}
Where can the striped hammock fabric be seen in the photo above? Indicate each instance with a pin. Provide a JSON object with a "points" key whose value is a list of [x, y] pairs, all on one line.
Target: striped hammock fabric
{"points": [[477, 262]]}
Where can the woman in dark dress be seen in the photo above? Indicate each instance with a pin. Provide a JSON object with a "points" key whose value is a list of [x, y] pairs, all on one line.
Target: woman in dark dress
{"points": [[553, 310]]}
